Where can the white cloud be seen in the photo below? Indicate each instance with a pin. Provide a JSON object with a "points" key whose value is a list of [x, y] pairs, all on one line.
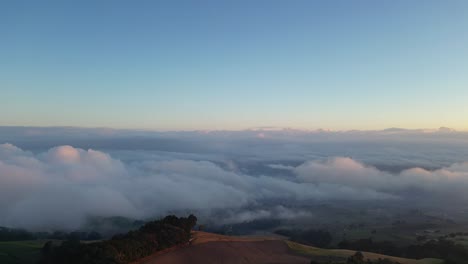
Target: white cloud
{"points": [[64, 185]]}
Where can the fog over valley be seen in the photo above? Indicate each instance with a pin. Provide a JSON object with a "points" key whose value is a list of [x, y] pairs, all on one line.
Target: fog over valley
{"points": [[59, 178]]}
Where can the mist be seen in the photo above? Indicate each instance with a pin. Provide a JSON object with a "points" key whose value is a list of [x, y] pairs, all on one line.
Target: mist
{"points": [[46, 184]]}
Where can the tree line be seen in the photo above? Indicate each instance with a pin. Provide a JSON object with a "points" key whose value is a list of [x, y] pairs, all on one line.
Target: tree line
{"points": [[441, 248], [124, 248], [15, 234]]}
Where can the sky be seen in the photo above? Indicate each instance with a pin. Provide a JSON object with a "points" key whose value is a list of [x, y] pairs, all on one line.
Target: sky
{"points": [[195, 65]]}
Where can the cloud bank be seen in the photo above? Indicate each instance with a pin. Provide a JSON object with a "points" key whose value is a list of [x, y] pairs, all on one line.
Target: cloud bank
{"points": [[62, 186]]}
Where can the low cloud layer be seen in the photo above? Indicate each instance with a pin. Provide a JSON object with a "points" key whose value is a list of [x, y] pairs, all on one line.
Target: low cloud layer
{"points": [[448, 182], [62, 186]]}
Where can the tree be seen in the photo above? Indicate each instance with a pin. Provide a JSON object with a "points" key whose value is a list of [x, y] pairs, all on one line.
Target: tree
{"points": [[357, 258], [125, 248]]}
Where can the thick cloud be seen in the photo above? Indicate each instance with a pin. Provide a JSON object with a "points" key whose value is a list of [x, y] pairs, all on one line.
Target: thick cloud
{"points": [[449, 181], [59, 187], [62, 186]]}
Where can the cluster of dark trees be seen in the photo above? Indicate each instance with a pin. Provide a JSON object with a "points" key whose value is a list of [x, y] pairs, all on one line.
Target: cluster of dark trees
{"points": [[9, 234], [109, 226], [13, 234], [440, 248], [75, 235], [358, 258], [151, 237], [313, 237], [422, 238]]}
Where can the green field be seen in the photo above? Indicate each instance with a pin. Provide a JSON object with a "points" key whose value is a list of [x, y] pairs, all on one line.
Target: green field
{"points": [[344, 253], [20, 252]]}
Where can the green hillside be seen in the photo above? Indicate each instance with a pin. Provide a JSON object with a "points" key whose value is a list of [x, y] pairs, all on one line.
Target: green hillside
{"points": [[20, 252]]}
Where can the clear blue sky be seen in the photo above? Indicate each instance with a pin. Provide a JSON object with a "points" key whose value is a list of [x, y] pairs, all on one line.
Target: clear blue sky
{"points": [[234, 64]]}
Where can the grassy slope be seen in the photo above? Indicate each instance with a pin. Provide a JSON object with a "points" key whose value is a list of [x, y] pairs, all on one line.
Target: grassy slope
{"points": [[343, 253], [20, 252], [203, 237]]}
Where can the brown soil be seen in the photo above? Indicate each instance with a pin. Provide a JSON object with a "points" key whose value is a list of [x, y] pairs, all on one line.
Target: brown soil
{"points": [[216, 249]]}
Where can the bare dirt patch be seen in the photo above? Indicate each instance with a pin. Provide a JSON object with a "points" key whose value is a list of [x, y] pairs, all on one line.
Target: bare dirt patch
{"points": [[211, 249]]}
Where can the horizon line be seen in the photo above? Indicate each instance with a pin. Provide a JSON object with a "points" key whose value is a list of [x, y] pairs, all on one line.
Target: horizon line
{"points": [[259, 128]]}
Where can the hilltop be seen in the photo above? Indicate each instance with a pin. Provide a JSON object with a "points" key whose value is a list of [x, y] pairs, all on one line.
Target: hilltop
{"points": [[213, 248]]}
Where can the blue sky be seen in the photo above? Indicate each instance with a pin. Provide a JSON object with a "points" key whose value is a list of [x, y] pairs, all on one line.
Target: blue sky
{"points": [[234, 64]]}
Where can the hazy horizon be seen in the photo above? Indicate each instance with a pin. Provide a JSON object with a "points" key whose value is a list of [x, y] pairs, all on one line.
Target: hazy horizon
{"points": [[257, 128]]}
